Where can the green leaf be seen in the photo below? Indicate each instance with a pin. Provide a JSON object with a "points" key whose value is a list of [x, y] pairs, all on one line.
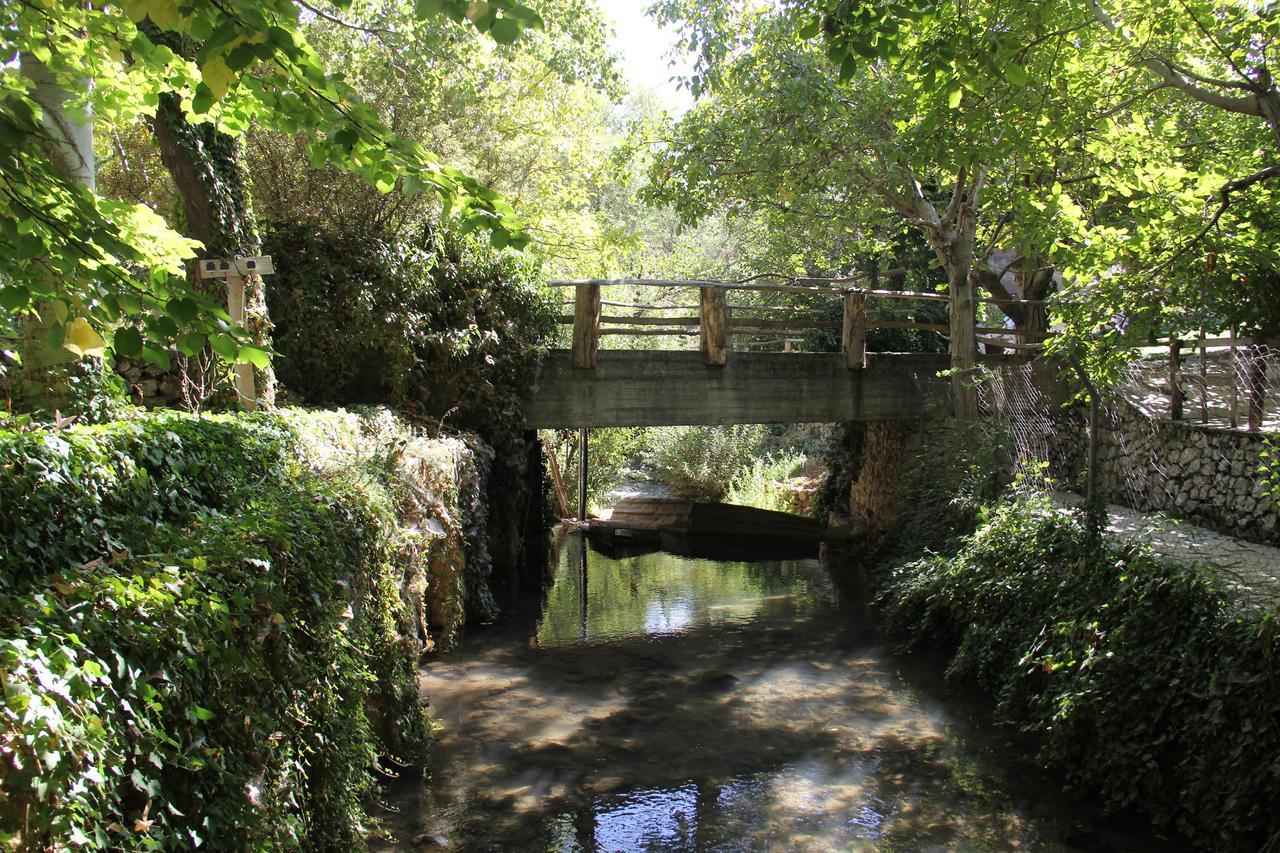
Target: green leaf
{"points": [[184, 310], [153, 354], [225, 346], [953, 99], [1016, 74], [128, 342], [505, 31], [14, 298], [257, 357], [191, 344]]}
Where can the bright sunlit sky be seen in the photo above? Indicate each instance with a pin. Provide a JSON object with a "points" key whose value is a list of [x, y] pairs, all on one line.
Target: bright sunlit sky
{"points": [[645, 48]]}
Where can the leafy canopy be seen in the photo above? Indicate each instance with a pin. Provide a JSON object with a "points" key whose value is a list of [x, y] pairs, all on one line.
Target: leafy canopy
{"points": [[84, 261]]}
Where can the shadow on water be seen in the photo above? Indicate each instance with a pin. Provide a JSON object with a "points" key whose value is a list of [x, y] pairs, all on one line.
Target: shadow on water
{"points": [[662, 702]]}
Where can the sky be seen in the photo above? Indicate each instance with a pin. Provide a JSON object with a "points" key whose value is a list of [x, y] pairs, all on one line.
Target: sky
{"points": [[644, 48]]}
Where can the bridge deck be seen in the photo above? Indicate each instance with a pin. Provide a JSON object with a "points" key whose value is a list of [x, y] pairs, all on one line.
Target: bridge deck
{"points": [[664, 388]]}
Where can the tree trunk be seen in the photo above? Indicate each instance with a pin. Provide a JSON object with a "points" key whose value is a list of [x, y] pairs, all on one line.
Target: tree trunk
{"points": [[209, 172], [957, 257], [1025, 305], [45, 382]]}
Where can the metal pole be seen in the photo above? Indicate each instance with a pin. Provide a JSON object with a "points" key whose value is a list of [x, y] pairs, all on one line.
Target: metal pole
{"points": [[582, 586], [582, 473]]}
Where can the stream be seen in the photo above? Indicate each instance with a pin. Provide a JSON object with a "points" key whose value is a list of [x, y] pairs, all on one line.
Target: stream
{"points": [[674, 703]]}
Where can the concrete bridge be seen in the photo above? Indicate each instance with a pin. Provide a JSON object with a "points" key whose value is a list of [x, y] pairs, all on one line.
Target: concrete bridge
{"points": [[586, 387]]}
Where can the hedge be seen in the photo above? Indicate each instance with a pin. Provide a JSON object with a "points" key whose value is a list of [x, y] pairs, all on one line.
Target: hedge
{"points": [[203, 640], [1143, 681]]}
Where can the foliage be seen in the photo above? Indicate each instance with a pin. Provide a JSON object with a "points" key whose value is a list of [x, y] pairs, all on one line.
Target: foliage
{"points": [[531, 119], [75, 257], [609, 452], [1141, 679], [435, 326], [763, 483], [203, 639], [1126, 149], [700, 462]]}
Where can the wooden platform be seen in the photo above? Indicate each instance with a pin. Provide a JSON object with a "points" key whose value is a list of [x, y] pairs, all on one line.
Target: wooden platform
{"points": [[675, 515], [713, 531]]}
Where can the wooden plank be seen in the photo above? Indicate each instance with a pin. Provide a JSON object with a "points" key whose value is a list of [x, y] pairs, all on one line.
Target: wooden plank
{"points": [[998, 342], [650, 321], [643, 333], [663, 388], [586, 326], [716, 343], [760, 323], [1175, 381], [803, 312], [853, 336], [246, 388]]}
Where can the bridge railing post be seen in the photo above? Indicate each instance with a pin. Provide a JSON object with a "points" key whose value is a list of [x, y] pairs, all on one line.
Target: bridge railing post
{"points": [[854, 336], [586, 325], [714, 317]]}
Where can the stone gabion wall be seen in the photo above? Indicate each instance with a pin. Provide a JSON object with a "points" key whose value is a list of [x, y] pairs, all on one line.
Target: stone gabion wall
{"points": [[1202, 474], [148, 385]]}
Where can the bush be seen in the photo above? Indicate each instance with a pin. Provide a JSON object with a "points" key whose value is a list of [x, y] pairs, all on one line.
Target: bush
{"points": [[1142, 680], [700, 462], [764, 483], [202, 639], [433, 326]]}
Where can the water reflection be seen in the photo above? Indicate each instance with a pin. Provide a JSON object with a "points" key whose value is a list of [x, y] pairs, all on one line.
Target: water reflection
{"points": [[595, 598], [670, 703]]}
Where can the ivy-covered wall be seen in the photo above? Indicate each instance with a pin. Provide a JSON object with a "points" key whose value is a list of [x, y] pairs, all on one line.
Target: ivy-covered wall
{"points": [[210, 626]]}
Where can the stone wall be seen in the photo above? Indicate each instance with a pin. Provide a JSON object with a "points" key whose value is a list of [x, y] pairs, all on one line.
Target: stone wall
{"points": [[1206, 475], [148, 385]]}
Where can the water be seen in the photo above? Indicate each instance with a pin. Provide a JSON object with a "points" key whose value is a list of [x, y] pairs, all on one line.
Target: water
{"points": [[673, 703]]}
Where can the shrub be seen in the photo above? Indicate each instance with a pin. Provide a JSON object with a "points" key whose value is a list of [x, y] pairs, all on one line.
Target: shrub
{"points": [[202, 639], [1141, 679], [700, 462], [764, 483], [434, 326]]}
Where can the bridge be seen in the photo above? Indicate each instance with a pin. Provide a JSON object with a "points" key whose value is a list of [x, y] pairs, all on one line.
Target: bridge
{"points": [[718, 383]]}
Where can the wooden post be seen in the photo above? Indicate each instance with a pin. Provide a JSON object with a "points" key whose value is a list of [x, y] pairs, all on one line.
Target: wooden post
{"points": [[715, 325], [854, 337], [245, 388], [233, 271], [1256, 380], [1175, 380], [557, 481], [1234, 373], [583, 436], [586, 325]]}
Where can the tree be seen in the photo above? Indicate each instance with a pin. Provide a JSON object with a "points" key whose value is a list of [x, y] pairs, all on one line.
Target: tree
{"points": [[89, 261], [882, 144]]}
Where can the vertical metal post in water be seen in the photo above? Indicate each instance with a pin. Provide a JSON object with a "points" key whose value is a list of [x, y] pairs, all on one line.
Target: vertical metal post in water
{"points": [[582, 586], [582, 473]]}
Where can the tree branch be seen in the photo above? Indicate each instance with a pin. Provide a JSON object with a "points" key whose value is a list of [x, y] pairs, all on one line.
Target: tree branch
{"points": [[1225, 195]]}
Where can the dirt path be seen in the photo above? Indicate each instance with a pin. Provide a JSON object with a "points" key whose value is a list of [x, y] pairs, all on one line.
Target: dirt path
{"points": [[1250, 570]]}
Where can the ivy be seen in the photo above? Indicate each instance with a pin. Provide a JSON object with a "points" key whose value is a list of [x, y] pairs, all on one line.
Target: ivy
{"points": [[1142, 681], [202, 641]]}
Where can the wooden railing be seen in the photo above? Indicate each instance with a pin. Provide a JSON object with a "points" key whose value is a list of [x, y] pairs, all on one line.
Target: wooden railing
{"points": [[717, 321]]}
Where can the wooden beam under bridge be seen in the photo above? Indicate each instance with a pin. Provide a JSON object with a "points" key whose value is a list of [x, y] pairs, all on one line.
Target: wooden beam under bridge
{"points": [[665, 388]]}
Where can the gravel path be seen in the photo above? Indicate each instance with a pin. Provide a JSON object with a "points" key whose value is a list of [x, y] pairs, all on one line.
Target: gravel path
{"points": [[1250, 570]]}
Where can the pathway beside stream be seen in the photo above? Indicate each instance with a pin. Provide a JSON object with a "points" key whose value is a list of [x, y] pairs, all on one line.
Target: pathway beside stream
{"points": [[1250, 570]]}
